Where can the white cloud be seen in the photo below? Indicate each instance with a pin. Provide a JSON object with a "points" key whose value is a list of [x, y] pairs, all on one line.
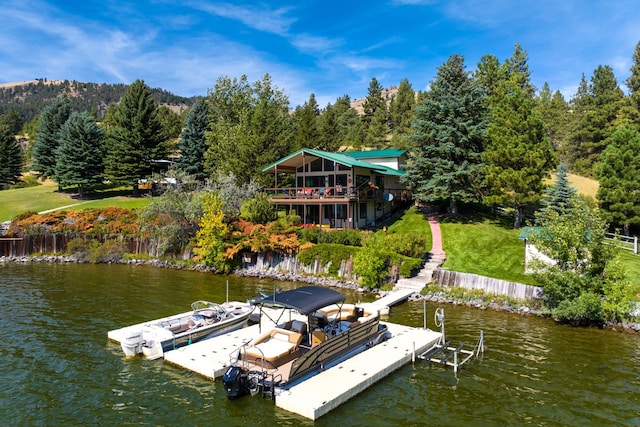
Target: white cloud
{"points": [[268, 20]]}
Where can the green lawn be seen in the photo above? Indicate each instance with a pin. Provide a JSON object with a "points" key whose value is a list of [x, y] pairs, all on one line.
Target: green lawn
{"points": [[631, 263], [46, 197], [484, 246], [412, 221]]}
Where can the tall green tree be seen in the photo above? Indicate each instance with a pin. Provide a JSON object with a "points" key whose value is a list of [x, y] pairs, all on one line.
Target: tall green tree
{"points": [[329, 136], [11, 157], [135, 140], [597, 109], [172, 122], [213, 232], [633, 81], [79, 156], [518, 156], [306, 122], [619, 190], [44, 150], [401, 113], [555, 114], [12, 119], [250, 128], [192, 144], [374, 118], [445, 156]]}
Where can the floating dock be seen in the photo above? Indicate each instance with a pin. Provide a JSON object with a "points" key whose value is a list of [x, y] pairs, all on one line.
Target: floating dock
{"points": [[210, 358], [327, 390]]}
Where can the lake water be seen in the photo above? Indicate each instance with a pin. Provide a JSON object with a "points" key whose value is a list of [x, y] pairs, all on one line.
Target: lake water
{"points": [[58, 368]]}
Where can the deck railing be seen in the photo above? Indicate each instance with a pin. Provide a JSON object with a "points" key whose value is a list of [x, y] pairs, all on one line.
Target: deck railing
{"points": [[338, 192]]}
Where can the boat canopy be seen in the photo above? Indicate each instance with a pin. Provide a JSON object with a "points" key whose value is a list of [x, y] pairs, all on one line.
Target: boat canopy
{"points": [[305, 299]]}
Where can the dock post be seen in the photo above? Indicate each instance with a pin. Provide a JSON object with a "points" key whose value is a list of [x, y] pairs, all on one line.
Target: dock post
{"points": [[455, 362], [413, 352], [424, 303]]}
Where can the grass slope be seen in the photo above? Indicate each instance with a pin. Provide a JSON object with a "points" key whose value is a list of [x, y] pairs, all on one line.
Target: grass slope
{"points": [[46, 197]]}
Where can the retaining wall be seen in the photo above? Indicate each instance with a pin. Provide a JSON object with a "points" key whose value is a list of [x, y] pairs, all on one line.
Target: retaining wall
{"points": [[487, 284]]}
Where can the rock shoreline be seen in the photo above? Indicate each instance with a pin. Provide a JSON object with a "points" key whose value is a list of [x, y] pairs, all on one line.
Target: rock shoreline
{"points": [[314, 280]]}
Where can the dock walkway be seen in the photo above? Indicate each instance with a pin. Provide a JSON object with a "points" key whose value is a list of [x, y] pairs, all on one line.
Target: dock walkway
{"points": [[327, 390]]}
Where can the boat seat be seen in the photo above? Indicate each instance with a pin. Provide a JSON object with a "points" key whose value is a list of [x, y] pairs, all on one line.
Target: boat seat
{"points": [[277, 344]]}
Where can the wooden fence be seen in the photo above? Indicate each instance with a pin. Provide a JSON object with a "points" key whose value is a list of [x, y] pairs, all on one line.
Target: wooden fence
{"points": [[487, 284], [55, 244]]}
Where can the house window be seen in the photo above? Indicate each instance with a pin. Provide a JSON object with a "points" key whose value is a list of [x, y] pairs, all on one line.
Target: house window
{"points": [[343, 167], [316, 165], [363, 210], [328, 165]]}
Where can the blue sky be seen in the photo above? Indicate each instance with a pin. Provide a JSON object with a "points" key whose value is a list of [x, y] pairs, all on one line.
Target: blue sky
{"points": [[329, 48]]}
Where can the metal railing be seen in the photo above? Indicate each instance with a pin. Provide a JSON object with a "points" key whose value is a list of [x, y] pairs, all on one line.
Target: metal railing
{"points": [[628, 243]]}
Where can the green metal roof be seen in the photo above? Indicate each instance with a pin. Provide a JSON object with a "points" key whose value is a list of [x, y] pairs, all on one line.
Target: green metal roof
{"points": [[293, 160], [393, 152]]}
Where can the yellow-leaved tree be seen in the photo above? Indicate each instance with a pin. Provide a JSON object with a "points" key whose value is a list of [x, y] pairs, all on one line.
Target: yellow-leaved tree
{"points": [[210, 239]]}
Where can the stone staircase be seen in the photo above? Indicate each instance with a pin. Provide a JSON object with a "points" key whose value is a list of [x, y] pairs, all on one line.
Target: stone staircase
{"points": [[424, 276]]}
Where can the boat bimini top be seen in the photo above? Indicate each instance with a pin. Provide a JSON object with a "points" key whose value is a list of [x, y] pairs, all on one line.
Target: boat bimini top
{"points": [[304, 300]]}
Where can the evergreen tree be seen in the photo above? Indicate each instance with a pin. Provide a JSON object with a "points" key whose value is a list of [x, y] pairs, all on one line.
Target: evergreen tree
{"points": [[597, 108], [192, 144], [401, 113], [329, 132], [554, 112], [633, 82], [12, 119], [79, 156], [44, 150], [559, 196], [619, 179], [445, 153], [519, 155], [306, 121], [374, 118], [135, 139], [11, 157]]}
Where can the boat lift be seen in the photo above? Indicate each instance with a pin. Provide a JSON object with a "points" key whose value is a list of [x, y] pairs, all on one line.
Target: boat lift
{"points": [[443, 351]]}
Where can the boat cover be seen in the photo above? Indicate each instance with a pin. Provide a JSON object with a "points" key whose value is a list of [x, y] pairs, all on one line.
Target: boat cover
{"points": [[305, 299]]}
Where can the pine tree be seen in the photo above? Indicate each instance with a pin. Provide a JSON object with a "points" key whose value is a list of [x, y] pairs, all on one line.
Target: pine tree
{"points": [[619, 179], [633, 82], [44, 150], [135, 139], [11, 157], [560, 195], [79, 156], [518, 155], [306, 121], [597, 108], [401, 109], [192, 144], [445, 153], [374, 118]]}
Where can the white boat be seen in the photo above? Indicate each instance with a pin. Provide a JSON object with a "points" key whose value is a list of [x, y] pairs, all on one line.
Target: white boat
{"points": [[297, 347], [206, 320]]}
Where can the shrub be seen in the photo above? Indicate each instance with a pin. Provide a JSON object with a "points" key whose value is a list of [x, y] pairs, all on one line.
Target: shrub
{"points": [[327, 253]]}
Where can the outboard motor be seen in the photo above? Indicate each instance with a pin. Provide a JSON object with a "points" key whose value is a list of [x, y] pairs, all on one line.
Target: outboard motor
{"points": [[235, 382], [132, 343]]}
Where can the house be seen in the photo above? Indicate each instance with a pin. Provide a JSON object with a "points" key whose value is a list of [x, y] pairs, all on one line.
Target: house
{"points": [[339, 190]]}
